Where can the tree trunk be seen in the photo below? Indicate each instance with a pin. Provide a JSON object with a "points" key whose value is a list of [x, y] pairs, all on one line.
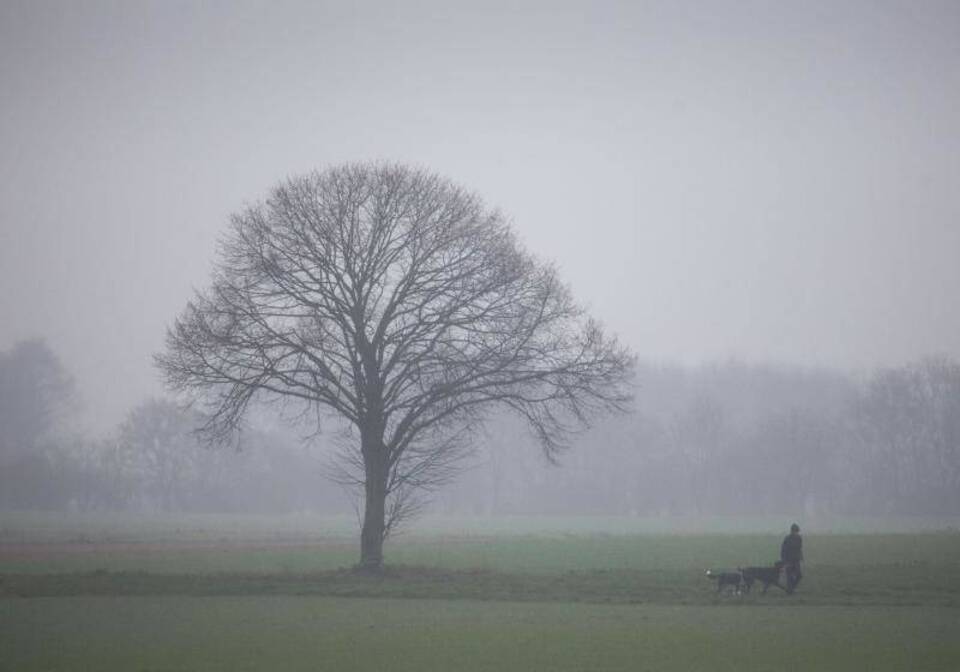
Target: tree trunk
{"points": [[375, 496], [371, 536]]}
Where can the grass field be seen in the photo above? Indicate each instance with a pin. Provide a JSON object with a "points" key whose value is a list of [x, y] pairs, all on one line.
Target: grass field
{"points": [[290, 633], [220, 593]]}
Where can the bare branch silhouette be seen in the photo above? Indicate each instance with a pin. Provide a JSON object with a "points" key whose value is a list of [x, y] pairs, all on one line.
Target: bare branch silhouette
{"points": [[398, 301]]}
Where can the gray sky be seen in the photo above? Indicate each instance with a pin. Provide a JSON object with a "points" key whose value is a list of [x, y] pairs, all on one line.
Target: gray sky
{"points": [[764, 180]]}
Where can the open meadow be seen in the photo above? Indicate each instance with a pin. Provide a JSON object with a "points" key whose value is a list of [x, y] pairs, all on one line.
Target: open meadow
{"points": [[235, 593]]}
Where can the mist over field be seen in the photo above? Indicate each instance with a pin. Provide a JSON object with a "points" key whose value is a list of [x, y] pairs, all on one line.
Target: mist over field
{"points": [[734, 180], [757, 201], [369, 315], [724, 439]]}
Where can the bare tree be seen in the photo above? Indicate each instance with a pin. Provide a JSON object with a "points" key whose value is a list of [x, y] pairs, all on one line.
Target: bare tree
{"points": [[398, 301], [36, 395], [906, 422], [697, 434], [35, 392], [158, 448]]}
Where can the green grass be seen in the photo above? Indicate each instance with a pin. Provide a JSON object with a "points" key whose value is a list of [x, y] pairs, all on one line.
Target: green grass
{"points": [[310, 633], [829, 586], [509, 553], [247, 593]]}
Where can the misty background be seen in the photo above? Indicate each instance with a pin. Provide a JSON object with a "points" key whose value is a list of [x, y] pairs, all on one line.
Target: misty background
{"points": [[759, 199]]}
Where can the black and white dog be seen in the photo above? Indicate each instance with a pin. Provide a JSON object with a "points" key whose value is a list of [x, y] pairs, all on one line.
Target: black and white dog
{"points": [[723, 579], [768, 576]]}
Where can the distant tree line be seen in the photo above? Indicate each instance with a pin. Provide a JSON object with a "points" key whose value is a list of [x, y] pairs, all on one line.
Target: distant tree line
{"points": [[153, 461], [727, 438], [743, 439]]}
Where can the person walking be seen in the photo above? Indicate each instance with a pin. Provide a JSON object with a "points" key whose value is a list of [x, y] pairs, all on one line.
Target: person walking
{"points": [[791, 555]]}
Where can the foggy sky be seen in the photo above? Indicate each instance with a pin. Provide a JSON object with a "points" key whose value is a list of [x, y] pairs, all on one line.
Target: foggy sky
{"points": [[768, 181]]}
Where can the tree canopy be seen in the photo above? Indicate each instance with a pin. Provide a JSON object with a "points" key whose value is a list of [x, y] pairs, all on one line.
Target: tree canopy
{"points": [[398, 301]]}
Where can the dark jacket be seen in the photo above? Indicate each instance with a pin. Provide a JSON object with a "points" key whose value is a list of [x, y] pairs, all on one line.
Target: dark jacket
{"points": [[792, 548]]}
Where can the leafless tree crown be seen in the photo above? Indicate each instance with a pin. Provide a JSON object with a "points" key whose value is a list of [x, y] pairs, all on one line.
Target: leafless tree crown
{"points": [[399, 301]]}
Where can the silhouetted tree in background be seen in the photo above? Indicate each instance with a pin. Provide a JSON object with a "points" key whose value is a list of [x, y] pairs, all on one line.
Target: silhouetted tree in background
{"points": [[34, 390], [159, 450], [907, 424], [35, 394], [697, 435]]}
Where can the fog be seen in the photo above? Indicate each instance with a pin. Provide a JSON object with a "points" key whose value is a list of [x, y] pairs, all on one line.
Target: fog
{"points": [[768, 184]]}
